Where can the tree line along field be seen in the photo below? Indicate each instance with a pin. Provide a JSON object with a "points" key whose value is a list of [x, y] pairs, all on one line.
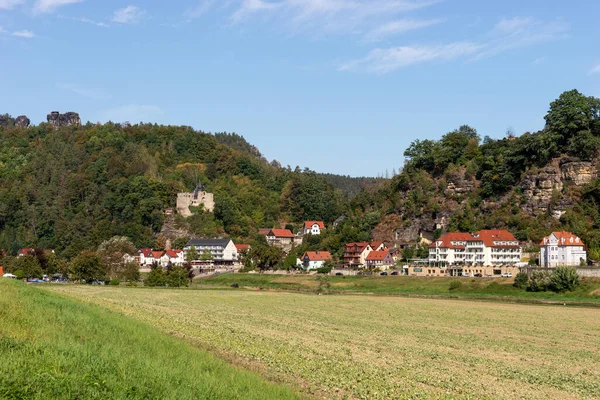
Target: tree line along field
{"points": [[378, 347], [53, 347]]}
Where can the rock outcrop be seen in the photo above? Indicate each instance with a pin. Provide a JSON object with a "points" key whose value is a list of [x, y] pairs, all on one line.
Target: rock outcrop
{"points": [[546, 188], [57, 120], [22, 121]]}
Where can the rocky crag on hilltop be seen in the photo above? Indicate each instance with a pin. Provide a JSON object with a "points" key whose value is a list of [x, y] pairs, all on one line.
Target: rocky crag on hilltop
{"points": [[21, 121], [58, 120]]}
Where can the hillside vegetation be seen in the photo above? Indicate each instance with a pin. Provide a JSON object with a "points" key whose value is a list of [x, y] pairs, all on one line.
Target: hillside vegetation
{"points": [[53, 347], [73, 188]]}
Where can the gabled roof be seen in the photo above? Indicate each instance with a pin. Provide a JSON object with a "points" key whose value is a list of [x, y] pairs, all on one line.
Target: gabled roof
{"points": [[490, 236], [359, 245], [317, 255], [158, 254], [375, 245], [241, 247], [450, 237], [281, 233], [309, 224], [264, 231], [25, 250], [174, 253], [564, 239], [377, 255], [146, 252]]}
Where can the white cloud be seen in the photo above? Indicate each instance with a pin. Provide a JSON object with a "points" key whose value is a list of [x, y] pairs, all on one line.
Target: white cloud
{"points": [[399, 26], [90, 93], [595, 70], [507, 34], [23, 34], [381, 61], [127, 15], [519, 32], [338, 16], [9, 4], [250, 7], [133, 113], [85, 21], [48, 6]]}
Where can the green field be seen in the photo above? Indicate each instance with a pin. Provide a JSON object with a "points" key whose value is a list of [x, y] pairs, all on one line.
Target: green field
{"points": [[52, 347], [498, 288], [379, 347]]}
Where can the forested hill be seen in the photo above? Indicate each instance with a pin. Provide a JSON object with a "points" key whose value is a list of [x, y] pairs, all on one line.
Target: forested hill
{"points": [[73, 187], [530, 184]]}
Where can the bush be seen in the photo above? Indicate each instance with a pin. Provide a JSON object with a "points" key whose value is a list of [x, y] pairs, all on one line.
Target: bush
{"points": [[521, 280], [539, 281], [235, 285], [564, 279], [114, 282], [455, 284], [324, 270]]}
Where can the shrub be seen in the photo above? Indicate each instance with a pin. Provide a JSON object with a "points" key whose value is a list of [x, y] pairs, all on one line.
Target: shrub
{"points": [[521, 280], [235, 285], [455, 284], [539, 281], [564, 279], [324, 284], [324, 270], [114, 282]]}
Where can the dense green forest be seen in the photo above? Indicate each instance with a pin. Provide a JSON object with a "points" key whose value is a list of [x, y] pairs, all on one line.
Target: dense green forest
{"points": [[74, 187]]}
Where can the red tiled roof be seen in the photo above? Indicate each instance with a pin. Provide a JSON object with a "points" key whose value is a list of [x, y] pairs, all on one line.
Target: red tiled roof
{"points": [[264, 231], [488, 237], [360, 246], [450, 237], [564, 239], [26, 250], [173, 253], [317, 255], [146, 252], [241, 247], [376, 256], [376, 245], [309, 224], [281, 233], [157, 254]]}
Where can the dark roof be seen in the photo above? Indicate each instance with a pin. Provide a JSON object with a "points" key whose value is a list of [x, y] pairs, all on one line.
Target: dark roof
{"points": [[208, 242]]}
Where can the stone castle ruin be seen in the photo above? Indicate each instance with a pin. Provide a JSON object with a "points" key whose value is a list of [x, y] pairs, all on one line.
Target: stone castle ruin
{"points": [[199, 197]]}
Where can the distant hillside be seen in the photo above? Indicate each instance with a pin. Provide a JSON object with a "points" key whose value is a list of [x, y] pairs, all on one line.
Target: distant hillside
{"points": [[530, 184], [352, 186]]}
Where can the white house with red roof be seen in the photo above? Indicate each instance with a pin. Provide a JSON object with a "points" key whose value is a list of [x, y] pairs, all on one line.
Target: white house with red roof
{"points": [[313, 227], [314, 259], [175, 257], [562, 248], [484, 248], [381, 259]]}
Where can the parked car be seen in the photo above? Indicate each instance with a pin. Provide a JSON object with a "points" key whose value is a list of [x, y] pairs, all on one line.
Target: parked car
{"points": [[507, 275], [383, 274], [395, 273], [478, 275]]}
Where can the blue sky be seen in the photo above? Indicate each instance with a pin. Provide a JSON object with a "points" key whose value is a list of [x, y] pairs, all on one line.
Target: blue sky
{"points": [[338, 86]]}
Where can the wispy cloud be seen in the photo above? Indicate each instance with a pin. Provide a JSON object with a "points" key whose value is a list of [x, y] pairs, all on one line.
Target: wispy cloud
{"points": [[337, 16], [85, 21], [595, 70], [23, 34], [399, 26], [82, 91], [519, 32], [507, 34], [133, 113], [10, 4], [48, 6], [381, 61], [128, 15]]}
